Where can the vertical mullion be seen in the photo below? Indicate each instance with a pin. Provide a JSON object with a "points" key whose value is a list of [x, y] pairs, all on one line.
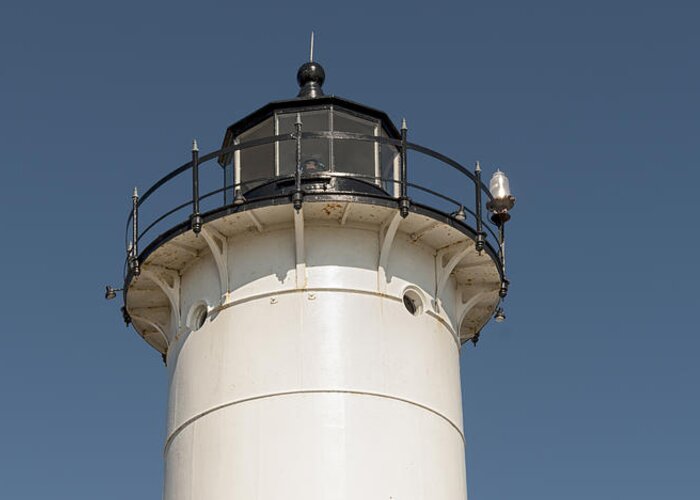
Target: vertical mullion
{"points": [[275, 131], [331, 150], [377, 159]]}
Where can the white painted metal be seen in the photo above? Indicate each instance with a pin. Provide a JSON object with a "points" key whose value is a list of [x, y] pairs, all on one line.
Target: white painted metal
{"points": [[310, 379]]}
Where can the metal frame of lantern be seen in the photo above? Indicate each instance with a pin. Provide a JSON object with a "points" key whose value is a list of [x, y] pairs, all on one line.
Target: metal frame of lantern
{"points": [[320, 190]]}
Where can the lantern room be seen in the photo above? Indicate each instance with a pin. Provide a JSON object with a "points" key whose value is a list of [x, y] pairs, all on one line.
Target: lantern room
{"points": [[345, 145]]}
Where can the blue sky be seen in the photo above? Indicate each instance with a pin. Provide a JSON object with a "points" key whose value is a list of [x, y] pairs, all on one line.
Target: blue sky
{"points": [[589, 390]]}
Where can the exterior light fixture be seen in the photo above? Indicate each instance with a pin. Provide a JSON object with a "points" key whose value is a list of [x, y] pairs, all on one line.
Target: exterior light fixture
{"points": [[475, 338], [238, 199], [500, 316], [460, 214], [503, 201], [111, 293]]}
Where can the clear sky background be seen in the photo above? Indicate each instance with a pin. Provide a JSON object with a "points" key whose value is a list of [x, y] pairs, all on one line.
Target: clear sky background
{"points": [[589, 390]]}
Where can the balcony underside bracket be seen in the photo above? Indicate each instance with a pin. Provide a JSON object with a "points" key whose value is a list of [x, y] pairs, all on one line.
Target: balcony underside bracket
{"points": [[465, 307], [161, 277], [386, 241], [455, 253], [218, 245], [254, 219]]}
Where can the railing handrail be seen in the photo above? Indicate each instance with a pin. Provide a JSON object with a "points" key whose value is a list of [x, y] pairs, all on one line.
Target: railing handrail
{"points": [[334, 135], [311, 135]]}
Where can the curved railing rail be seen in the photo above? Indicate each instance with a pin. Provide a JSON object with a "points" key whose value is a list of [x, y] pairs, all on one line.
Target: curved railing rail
{"points": [[168, 214]]}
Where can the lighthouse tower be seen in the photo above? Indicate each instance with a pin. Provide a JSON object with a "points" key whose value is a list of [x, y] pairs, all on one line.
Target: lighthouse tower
{"points": [[310, 300]]}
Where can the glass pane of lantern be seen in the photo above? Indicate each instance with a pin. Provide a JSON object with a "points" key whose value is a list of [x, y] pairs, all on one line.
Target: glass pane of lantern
{"points": [[314, 152], [357, 157], [258, 162], [389, 156]]}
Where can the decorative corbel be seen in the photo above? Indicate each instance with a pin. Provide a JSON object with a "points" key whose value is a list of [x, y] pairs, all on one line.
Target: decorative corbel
{"points": [[171, 291], [218, 245], [387, 233]]}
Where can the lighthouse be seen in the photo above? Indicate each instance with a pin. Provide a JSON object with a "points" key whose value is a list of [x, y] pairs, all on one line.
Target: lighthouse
{"points": [[310, 299]]}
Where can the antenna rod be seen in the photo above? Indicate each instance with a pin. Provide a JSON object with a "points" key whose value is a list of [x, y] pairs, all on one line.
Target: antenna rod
{"points": [[311, 53]]}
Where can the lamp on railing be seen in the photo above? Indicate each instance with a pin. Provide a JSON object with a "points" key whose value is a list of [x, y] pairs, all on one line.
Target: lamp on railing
{"points": [[502, 200]]}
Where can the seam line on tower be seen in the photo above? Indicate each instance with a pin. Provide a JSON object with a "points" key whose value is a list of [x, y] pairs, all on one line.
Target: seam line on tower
{"points": [[193, 419]]}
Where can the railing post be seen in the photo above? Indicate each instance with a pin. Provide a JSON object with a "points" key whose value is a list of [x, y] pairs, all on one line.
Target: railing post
{"points": [[479, 224], [404, 201], [298, 196], [134, 251], [195, 218], [503, 291]]}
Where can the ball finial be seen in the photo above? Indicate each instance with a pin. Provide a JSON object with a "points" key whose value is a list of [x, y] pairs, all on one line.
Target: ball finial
{"points": [[310, 78]]}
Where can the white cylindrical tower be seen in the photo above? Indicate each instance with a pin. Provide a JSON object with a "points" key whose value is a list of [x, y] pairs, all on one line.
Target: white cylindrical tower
{"points": [[311, 308]]}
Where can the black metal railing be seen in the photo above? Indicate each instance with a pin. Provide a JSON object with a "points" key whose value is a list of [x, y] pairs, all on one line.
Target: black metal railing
{"points": [[157, 213]]}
